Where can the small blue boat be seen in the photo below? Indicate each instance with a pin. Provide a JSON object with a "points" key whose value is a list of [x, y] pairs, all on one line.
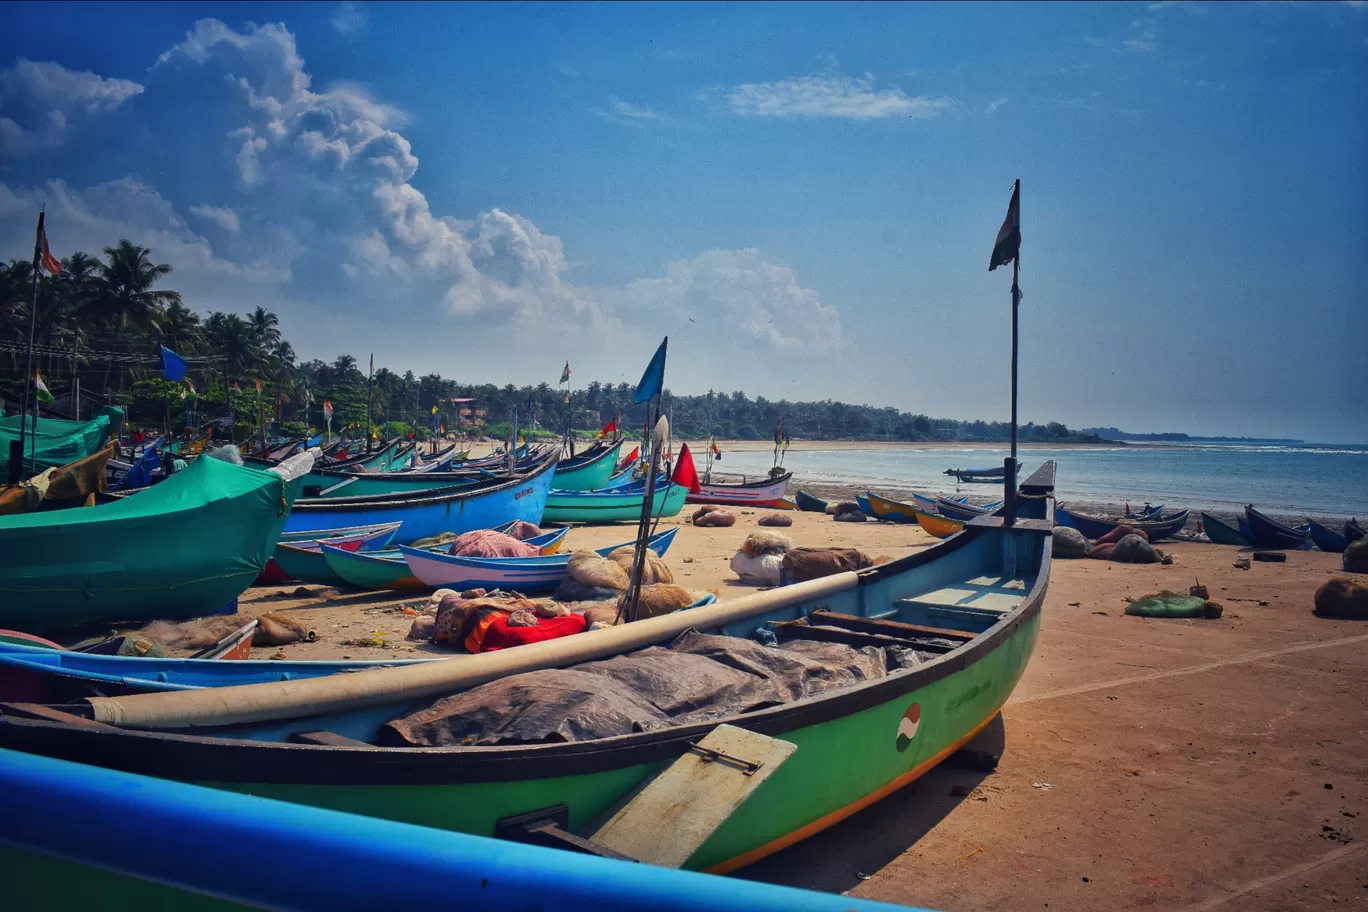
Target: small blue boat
{"points": [[1269, 533], [1222, 533], [1326, 539], [1096, 527], [962, 510]]}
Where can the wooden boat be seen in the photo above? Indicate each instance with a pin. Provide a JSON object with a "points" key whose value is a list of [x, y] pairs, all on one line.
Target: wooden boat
{"points": [[962, 510], [938, 526], [182, 548], [353, 538], [587, 473], [612, 506], [389, 570], [763, 493], [809, 504], [1096, 527], [1353, 531], [1221, 533], [59, 675], [971, 605], [520, 574], [455, 509], [1326, 539], [862, 501], [887, 508], [929, 504], [81, 837], [1269, 533], [984, 476]]}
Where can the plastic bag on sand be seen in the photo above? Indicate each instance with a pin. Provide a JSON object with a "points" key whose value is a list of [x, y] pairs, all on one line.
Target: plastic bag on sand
{"points": [[589, 568], [760, 570], [488, 543], [716, 518], [802, 564], [522, 531], [1069, 542], [1132, 549], [1120, 532], [653, 570], [1342, 598], [1172, 605]]}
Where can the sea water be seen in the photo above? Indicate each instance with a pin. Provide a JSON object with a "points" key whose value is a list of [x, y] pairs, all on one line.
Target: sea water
{"points": [[1305, 480]]}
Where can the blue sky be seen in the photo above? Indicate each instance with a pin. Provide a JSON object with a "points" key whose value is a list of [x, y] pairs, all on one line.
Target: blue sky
{"points": [[804, 197]]}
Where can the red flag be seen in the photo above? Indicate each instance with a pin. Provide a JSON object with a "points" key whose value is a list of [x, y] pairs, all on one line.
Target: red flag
{"points": [[631, 457], [685, 475], [46, 259], [258, 384], [608, 428]]}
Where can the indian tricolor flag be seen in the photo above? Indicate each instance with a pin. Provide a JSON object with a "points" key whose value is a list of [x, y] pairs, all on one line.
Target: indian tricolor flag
{"points": [[44, 395], [45, 258], [1008, 244], [908, 725]]}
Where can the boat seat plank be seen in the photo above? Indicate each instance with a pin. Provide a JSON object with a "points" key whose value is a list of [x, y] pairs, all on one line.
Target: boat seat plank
{"points": [[797, 630], [889, 627], [674, 814], [993, 521], [995, 594]]}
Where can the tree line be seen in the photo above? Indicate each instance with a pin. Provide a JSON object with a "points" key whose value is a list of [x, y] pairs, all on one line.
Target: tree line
{"points": [[100, 325]]}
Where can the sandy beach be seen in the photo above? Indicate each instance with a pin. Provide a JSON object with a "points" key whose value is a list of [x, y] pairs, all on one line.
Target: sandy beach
{"points": [[1145, 763]]}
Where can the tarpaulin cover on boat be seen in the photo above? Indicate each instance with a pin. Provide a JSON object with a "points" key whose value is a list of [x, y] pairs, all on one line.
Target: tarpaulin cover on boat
{"points": [[182, 548], [696, 678], [57, 442]]}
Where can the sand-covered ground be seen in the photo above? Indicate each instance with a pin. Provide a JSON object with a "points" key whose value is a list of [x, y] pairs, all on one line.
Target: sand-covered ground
{"points": [[1174, 764]]}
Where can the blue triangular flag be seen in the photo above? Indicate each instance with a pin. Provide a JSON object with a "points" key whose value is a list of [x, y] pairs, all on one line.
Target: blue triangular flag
{"points": [[654, 378], [173, 365]]}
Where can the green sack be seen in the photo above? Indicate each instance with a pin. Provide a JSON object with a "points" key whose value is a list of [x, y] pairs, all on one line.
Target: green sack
{"points": [[1171, 605]]}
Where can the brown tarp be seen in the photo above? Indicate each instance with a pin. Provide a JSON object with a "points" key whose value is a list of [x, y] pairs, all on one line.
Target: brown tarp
{"points": [[76, 481]]}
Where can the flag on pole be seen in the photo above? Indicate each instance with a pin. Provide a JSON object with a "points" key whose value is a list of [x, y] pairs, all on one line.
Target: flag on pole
{"points": [[327, 410], [236, 388], [258, 384], [632, 456], [567, 396], [43, 394], [654, 378], [173, 365], [372, 364], [1008, 244], [716, 451], [434, 409], [685, 474], [191, 385], [565, 374], [46, 259], [779, 433], [608, 428]]}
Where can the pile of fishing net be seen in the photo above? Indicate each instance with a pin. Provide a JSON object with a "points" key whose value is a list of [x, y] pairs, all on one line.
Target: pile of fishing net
{"points": [[761, 558]]}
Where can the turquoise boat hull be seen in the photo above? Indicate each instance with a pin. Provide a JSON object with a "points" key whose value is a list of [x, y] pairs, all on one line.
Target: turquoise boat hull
{"points": [[590, 475], [593, 507]]}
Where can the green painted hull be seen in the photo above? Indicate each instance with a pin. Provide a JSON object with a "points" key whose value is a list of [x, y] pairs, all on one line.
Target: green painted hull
{"points": [[605, 508], [373, 571], [306, 566], [591, 476], [379, 485]]}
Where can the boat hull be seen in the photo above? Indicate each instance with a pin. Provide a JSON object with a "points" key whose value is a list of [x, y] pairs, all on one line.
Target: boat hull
{"points": [[1094, 527], [891, 510], [1221, 533], [595, 507], [1269, 533], [764, 494], [588, 476], [809, 504]]}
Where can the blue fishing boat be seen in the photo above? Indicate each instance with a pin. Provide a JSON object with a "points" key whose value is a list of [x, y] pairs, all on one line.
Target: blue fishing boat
{"points": [[1096, 527], [432, 512], [978, 476], [1222, 533], [1269, 533], [962, 510], [1326, 539]]}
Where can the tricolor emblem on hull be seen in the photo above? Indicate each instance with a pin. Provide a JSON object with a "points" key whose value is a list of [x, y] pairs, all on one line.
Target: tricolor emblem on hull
{"points": [[908, 725]]}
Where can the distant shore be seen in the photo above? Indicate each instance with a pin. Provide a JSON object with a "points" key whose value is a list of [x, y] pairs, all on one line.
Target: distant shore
{"points": [[759, 446]]}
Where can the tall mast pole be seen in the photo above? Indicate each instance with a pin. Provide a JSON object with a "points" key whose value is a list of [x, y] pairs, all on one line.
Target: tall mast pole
{"points": [[1009, 476], [28, 370]]}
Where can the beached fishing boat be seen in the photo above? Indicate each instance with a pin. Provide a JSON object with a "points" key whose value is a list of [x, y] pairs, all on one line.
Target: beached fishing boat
{"points": [[809, 504], [938, 526], [763, 493], [961, 509], [452, 509], [1269, 533], [968, 607], [182, 548], [353, 537], [1326, 539], [928, 504], [520, 574], [1222, 533], [1096, 526], [1353, 531], [81, 837], [862, 501], [887, 508], [388, 569], [986, 476], [50, 443], [612, 506], [587, 473]]}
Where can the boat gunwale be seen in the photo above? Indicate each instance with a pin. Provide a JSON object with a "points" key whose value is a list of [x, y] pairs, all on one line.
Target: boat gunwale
{"points": [[446, 493], [223, 758]]}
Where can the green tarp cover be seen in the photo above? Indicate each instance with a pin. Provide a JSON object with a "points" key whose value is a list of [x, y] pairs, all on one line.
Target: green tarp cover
{"points": [[57, 442], [182, 548]]}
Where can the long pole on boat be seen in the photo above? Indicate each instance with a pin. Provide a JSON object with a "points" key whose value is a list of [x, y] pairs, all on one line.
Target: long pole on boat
{"points": [[650, 390], [370, 387], [1008, 247]]}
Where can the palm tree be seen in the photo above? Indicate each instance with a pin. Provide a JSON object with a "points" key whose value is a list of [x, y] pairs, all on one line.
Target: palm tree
{"points": [[123, 296], [265, 327]]}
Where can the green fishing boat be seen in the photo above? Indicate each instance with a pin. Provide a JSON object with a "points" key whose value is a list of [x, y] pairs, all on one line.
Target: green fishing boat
{"points": [[57, 442], [182, 548], [944, 636], [587, 474], [611, 506], [340, 484]]}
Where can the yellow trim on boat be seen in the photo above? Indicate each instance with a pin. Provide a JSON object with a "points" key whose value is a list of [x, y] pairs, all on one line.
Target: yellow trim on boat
{"points": [[938, 526]]}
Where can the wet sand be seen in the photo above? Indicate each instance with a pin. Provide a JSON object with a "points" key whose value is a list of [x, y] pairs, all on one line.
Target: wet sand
{"points": [[1165, 764]]}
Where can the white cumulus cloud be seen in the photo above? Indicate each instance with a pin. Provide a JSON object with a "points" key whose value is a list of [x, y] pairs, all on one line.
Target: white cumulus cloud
{"points": [[221, 216], [41, 102], [831, 94], [349, 18]]}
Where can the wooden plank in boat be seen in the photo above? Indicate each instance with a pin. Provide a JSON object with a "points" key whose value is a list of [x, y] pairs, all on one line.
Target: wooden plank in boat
{"points": [[892, 628], [675, 813], [993, 521], [326, 739]]}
